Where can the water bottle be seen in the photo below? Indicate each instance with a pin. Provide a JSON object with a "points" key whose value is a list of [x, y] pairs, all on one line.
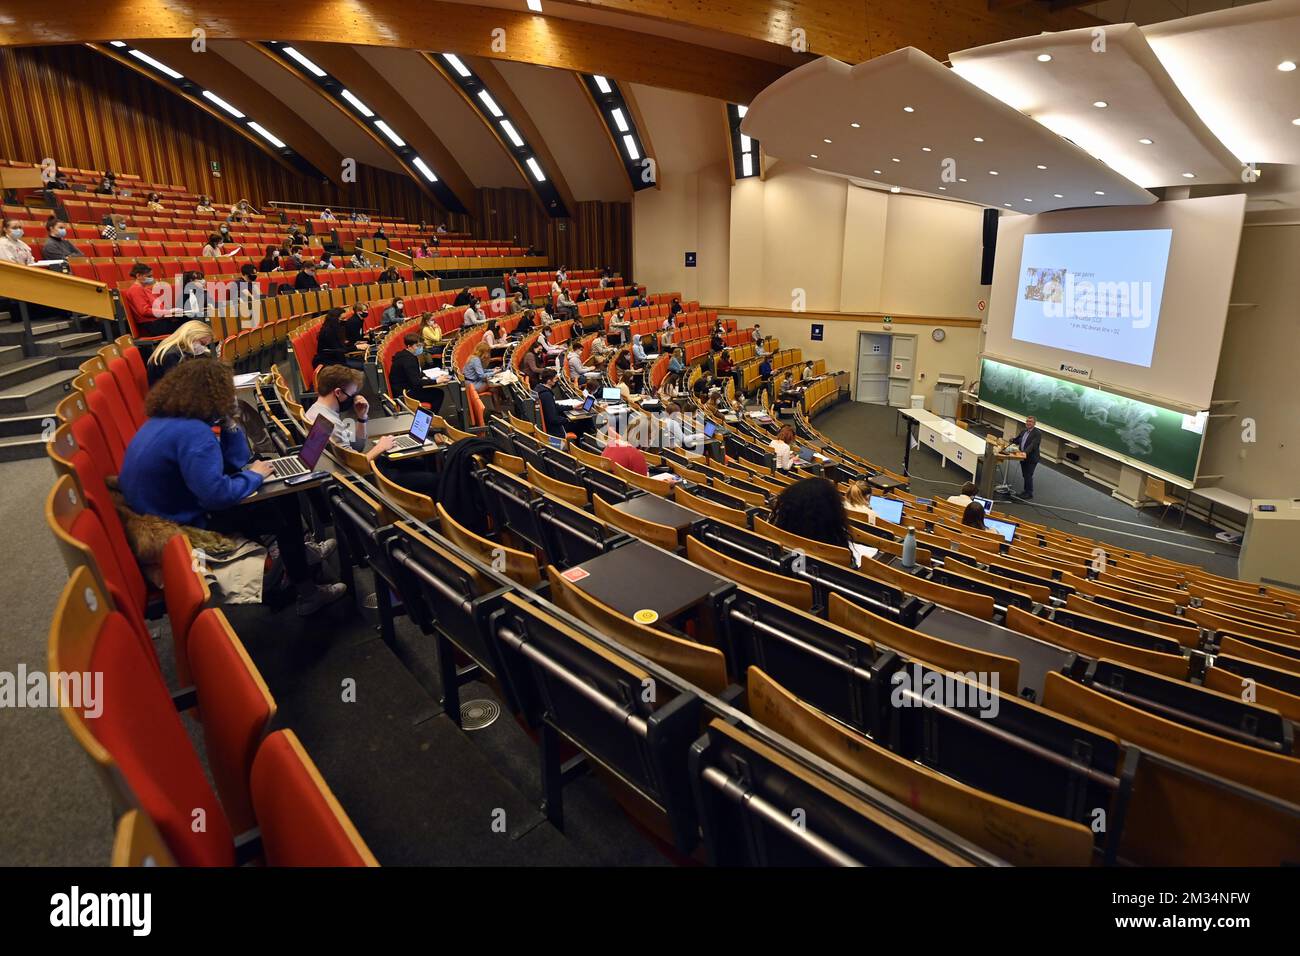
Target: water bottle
{"points": [[909, 548]]}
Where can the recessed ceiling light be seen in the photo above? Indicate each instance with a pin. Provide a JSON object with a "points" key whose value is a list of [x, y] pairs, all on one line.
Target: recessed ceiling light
{"points": [[826, 141], [876, 171], [925, 149], [943, 188], [1041, 166], [856, 125], [1044, 58], [961, 179], [979, 139], [813, 155], [1145, 142], [1007, 204], [895, 189], [1296, 121], [993, 172], [1286, 66], [1101, 104], [1189, 175], [1098, 192], [908, 109], [1027, 199], [894, 159], [1057, 196]]}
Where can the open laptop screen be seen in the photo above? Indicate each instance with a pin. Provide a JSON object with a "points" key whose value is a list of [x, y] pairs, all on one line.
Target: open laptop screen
{"points": [[420, 424], [316, 441], [891, 509], [1004, 528], [610, 394]]}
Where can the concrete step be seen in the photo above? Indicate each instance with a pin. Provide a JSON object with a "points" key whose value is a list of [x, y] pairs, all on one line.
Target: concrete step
{"points": [[39, 393], [15, 373], [26, 424], [22, 447], [12, 333], [10, 353], [57, 344]]}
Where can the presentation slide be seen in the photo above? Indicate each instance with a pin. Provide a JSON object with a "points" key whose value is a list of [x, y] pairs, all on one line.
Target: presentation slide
{"points": [[1095, 293], [1129, 299]]}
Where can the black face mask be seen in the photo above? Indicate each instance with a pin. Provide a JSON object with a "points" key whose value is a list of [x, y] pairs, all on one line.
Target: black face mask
{"points": [[346, 403]]}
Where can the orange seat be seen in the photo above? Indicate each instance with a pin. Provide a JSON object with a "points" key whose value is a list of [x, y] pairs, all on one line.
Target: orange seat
{"points": [[186, 593], [131, 395], [301, 821]]}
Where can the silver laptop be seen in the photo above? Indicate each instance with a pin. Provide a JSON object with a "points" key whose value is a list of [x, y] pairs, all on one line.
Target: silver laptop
{"points": [[418, 436], [305, 461]]}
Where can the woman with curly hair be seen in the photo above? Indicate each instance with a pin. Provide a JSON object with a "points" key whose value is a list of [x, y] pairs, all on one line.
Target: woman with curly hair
{"points": [[190, 463], [812, 508]]}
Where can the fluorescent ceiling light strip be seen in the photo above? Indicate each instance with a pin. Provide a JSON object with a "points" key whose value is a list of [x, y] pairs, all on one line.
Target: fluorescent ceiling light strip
{"points": [[454, 62], [510, 131], [209, 95], [351, 97], [747, 164], [629, 143], [306, 63], [266, 134], [619, 120], [388, 131], [532, 164], [490, 103], [160, 67], [423, 167], [602, 84]]}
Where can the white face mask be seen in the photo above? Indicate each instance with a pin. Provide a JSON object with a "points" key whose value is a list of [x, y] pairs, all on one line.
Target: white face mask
{"points": [[199, 350], [16, 232]]}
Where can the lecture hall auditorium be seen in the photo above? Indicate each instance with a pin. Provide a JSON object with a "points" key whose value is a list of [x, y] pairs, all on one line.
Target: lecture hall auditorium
{"points": [[792, 434]]}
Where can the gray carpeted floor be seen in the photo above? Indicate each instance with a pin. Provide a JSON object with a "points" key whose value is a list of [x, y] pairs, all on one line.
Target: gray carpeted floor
{"points": [[1062, 499], [420, 790]]}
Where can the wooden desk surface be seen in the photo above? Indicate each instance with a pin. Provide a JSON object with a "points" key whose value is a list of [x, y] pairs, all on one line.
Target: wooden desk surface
{"points": [[661, 511]]}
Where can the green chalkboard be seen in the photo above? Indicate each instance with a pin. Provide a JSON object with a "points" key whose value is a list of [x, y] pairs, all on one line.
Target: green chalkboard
{"points": [[1147, 434]]}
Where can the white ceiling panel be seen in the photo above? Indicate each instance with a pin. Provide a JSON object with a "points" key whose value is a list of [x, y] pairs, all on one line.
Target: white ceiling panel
{"points": [[905, 120], [1108, 94]]}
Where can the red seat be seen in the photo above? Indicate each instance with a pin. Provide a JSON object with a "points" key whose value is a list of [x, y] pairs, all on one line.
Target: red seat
{"points": [[302, 822], [135, 361], [131, 394], [186, 593], [236, 711], [111, 403], [137, 740]]}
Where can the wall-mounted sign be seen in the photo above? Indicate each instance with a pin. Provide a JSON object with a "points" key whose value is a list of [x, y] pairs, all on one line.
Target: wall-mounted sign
{"points": [[981, 305], [690, 260], [817, 331]]}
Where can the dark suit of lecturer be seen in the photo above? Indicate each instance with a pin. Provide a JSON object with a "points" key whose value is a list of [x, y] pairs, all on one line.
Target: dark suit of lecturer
{"points": [[1028, 441]]}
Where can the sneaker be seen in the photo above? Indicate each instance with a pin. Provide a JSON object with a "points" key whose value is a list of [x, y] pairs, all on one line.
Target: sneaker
{"points": [[318, 551], [319, 597]]}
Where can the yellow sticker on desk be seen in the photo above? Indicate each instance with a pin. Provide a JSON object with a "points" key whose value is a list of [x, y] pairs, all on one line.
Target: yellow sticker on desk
{"points": [[645, 616]]}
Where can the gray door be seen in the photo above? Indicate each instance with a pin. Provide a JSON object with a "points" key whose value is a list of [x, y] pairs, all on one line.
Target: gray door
{"points": [[902, 358], [873, 368]]}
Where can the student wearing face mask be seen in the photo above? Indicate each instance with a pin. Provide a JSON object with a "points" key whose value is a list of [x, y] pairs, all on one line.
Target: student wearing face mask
{"points": [[331, 343], [338, 394], [395, 313], [57, 245], [194, 295], [12, 247], [271, 261], [354, 323], [147, 315], [406, 378], [192, 340]]}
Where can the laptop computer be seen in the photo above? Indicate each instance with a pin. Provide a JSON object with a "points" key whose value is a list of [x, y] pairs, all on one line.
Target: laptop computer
{"points": [[589, 403], [1005, 528], [891, 509], [610, 394], [806, 453], [308, 455], [985, 503], [710, 429], [419, 433]]}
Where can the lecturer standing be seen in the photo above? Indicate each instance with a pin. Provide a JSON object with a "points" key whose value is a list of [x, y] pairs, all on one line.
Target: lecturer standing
{"points": [[1028, 441]]}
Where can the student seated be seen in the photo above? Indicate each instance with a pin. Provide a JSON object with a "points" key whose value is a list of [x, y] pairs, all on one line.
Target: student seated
{"points": [[966, 496], [57, 245], [812, 508], [395, 313], [191, 340], [781, 449], [12, 247], [148, 316], [306, 280], [858, 501], [973, 516], [475, 372], [190, 463], [807, 374], [338, 391], [629, 456], [552, 417], [430, 332], [332, 346], [406, 378]]}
